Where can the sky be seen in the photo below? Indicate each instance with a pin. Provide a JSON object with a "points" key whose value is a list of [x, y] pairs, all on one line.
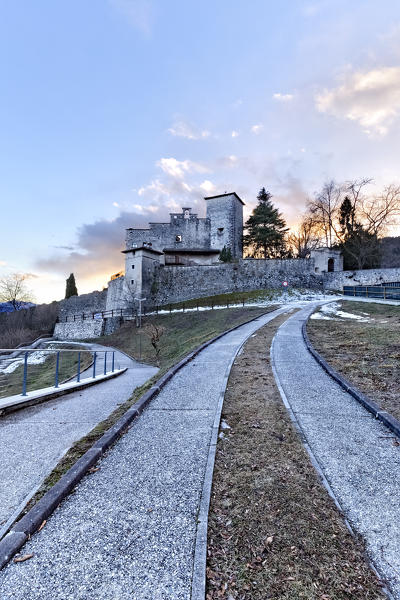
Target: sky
{"points": [[114, 113]]}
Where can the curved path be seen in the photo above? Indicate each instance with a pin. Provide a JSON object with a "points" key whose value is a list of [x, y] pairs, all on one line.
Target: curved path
{"points": [[129, 529], [33, 440], [355, 451]]}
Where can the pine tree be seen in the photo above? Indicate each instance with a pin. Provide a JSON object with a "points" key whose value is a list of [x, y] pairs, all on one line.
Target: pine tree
{"points": [[70, 288], [266, 229], [225, 255]]}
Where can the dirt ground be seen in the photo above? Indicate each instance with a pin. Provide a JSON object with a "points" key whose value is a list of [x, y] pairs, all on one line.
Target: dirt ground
{"points": [[274, 532], [366, 352]]}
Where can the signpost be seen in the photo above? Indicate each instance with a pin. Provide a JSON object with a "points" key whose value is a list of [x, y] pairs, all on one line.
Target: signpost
{"points": [[140, 300]]}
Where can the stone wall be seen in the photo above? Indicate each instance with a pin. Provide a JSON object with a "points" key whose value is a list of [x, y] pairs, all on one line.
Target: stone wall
{"points": [[86, 303], [174, 284], [336, 280], [79, 330]]}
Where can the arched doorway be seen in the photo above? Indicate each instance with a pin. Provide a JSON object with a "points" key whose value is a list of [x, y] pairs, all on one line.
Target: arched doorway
{"points": [[331, 265]]}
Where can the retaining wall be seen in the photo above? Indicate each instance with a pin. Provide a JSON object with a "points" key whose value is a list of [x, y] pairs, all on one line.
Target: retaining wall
{"points": [[336, 280], [79, 330]]}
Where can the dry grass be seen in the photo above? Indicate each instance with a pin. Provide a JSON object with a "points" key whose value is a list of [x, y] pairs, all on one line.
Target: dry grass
{"points": [[274, 532], [366, 353]]}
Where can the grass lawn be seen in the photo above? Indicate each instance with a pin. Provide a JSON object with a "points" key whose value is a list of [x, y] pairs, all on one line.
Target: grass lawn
{"points": [[367, 353], [274, 532], [43, 375], [182, 332]]}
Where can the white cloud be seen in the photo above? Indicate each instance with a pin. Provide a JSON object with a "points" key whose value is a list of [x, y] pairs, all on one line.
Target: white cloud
{"points": [[256, 129], [2, 263], [116, 204], [234, 134], [371, 98], [283, 97], [188, 131], [139, 13], [178, 168], [208, 186]]}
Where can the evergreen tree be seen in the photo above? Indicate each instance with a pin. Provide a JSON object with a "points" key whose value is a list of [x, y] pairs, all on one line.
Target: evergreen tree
{"points": [[266, 229], [361, 249], [225, 255], [70, 288]]}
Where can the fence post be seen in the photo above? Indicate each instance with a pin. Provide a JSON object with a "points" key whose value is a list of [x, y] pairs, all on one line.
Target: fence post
{"points": [[78, 375], [243, 302], [170, 309], [94, 365], [25, 374], [105, 362], [57, 367], [212, 305], [197, 305], [384, 292], [83, 316], [113, 362]]}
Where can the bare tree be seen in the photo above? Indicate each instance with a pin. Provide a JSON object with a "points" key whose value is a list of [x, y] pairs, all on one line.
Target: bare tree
{"points": [[377, 213], [305, 238], [154, 332], [13, 289], [324, 210]]}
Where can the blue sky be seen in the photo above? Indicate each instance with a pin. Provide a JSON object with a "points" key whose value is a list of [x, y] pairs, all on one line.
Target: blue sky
{"points": [[116, 112]]}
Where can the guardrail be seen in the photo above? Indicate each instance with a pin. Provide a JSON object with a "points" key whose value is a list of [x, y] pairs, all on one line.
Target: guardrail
{"points": [[104, 314], [386, 292], [107, 367]]}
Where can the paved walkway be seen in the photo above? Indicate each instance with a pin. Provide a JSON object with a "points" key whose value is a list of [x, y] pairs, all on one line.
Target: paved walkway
{"points": [[354, 450], [33, 440], [128, 531]]}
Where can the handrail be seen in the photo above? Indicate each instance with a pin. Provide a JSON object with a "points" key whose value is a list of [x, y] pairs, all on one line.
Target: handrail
{"points": [[57, 351]]}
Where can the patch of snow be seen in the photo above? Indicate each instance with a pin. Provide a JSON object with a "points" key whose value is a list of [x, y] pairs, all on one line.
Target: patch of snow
{"points": [[332, 310], [224, 425]]}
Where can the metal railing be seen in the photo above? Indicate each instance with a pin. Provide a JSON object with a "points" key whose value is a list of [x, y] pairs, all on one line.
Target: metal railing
{"points": [[189, 305], [98, 316], [384, 291], [107, 356]]}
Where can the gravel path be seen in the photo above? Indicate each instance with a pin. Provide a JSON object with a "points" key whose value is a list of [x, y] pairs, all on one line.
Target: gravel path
{"points": [[33, 439], [356, 453], [128, 530]]}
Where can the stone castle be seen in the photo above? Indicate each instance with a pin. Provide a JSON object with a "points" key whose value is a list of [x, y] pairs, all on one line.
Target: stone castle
{"points": [[179, 260]]}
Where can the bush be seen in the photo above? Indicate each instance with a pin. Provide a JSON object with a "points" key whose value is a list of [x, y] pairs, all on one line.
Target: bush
{"points": [[24, 326]]}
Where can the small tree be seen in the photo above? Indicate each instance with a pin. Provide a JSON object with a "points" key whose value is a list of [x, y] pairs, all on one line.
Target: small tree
{"points": [[13, 289], [70, 288], [225, 255], [266, 229], [154, 332]]}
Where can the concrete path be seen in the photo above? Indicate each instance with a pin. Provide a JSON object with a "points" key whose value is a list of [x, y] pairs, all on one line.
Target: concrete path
{"points": [[128, 531], [354, 450], [34, 439]]}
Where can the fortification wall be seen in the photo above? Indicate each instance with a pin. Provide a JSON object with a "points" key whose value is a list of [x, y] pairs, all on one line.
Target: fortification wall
{"points": [[86, 303], [336, 280], [174, 284]]}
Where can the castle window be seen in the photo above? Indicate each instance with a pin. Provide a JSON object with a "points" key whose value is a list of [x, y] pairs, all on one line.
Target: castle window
{"points": [[220, 230], [133, 266], [132, 281], [178, 238]]}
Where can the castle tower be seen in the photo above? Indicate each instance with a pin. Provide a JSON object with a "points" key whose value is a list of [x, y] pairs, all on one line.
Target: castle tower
{"points": [[225, 212]]}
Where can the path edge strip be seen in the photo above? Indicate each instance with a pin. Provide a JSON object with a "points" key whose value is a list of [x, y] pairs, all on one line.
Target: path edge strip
{"points": [[386, 418], [13, 541], [315, 462], [198, 588]]}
